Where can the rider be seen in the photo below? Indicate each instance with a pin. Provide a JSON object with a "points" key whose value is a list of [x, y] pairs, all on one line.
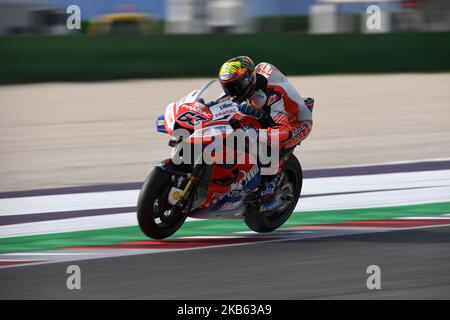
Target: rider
{"points": [[263, 91]]}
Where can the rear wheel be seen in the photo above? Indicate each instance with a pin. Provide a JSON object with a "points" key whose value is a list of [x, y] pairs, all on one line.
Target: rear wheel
{"points": [[291, 184], [156, 216]]}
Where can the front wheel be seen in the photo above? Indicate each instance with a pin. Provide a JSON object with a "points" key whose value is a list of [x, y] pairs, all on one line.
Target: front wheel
{"points": [[155, 216], [291, 184]]}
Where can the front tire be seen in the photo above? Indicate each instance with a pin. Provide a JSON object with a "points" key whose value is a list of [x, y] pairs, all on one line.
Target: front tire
{"points": [[153, 206], [269, 221]]}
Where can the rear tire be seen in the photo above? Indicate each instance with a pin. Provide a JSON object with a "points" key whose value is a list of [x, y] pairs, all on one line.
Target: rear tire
{"points": [[269, 221], [152, 204]]}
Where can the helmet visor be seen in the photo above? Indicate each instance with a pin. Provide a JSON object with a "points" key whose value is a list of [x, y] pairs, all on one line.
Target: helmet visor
{"points": [[238, 89]]}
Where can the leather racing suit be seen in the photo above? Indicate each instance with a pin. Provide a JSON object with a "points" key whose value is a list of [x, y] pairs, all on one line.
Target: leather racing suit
{"points": [[287, 110], [278, 106]]}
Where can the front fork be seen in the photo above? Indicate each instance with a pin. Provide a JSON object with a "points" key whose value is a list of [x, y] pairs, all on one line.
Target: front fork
{"points": [[197, 173]]}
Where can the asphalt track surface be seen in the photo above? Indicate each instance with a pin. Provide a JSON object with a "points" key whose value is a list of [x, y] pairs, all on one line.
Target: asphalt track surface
{"points": [[414, 264]]}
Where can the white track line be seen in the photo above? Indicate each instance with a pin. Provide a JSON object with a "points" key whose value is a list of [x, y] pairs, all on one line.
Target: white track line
{"points": [[290, 236], [72, 225], [339, 202], [68, 202], [442, 217], [375, 199], [322, 185], [68, 225], [382, 163], [377, 182], [128, 198]]}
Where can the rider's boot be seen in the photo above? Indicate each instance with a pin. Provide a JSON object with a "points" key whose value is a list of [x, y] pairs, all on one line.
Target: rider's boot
{"points": [[265, 197]]}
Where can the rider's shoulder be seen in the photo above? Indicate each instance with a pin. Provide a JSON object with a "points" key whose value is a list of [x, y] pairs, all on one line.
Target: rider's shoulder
{"points": [[265, 69]]}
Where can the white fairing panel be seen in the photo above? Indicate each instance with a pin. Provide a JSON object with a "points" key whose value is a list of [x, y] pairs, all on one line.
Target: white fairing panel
{"points": [[169, 116], [223, 108]]}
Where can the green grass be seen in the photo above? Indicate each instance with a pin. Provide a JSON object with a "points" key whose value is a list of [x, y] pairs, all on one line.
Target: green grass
{"points": [[210, 227]]}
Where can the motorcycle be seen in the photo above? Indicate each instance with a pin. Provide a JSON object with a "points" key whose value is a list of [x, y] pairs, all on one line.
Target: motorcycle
{"points": [[174, 191]]}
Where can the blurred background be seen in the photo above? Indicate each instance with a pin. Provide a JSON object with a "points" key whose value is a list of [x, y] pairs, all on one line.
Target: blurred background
{"points": [[156, 38], [119, 39], [222, 16]]}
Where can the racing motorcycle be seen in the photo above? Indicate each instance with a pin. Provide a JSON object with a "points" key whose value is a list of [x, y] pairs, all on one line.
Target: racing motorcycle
{"points": [[176, 190]]}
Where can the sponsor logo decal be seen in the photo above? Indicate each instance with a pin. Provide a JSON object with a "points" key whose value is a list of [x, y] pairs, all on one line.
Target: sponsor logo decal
{"points": [[272, 99], [248, 176]]}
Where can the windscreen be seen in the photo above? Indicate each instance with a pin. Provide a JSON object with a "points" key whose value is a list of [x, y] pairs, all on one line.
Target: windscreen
{"points": [[212, 92]]}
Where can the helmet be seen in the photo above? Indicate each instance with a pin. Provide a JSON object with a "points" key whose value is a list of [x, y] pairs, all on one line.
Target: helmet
{"points": [[238, 78]]}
